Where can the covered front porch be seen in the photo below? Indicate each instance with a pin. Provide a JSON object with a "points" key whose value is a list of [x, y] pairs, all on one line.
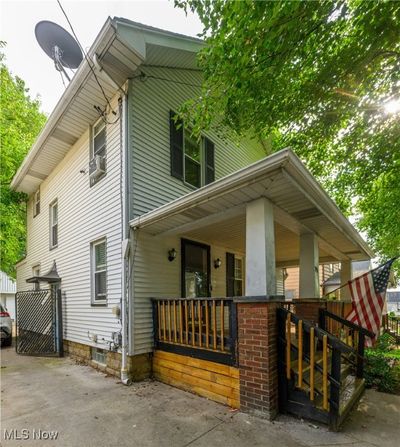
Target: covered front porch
{"points": [[209, 273]]}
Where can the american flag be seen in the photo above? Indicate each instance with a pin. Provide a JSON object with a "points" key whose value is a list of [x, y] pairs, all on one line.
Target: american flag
{"points": [[368, 298]]}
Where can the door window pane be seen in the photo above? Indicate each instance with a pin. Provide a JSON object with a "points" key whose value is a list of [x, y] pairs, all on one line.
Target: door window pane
{"points": [[196, 271]]}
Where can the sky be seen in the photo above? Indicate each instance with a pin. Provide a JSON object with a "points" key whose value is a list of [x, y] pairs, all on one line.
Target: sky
{"points": [[26, 59]]}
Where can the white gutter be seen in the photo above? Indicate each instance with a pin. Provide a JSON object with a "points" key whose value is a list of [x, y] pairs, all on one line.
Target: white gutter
{"points": [[303, 180], [72, 90]]}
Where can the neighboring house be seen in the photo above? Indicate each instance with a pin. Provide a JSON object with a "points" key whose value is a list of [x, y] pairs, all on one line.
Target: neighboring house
{"points": [[329, 277], [8, 289], [334, 282], [131, 207], [393, 301], [292, 280]]}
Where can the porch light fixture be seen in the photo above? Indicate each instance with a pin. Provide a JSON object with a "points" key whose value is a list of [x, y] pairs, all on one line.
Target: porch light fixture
{"points": [[285, 274], [217, 263], [171, 254]]}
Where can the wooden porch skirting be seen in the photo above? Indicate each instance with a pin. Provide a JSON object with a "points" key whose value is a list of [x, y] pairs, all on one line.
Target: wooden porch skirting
{"points": [[208, 379]]}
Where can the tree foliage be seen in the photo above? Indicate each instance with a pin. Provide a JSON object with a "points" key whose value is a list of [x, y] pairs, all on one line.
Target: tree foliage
{"points": [[320, 77], [20, 123]]}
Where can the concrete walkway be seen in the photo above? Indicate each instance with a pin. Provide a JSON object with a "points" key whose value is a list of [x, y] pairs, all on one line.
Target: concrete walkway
{"points": [[88, 409]]}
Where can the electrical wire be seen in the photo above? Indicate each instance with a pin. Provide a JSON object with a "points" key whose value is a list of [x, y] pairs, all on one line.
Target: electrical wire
{"points": [[90, 63], [143, 77], [62, 79]]}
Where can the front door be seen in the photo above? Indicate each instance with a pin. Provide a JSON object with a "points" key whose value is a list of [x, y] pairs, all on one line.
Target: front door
{"points": [[195, 269]]}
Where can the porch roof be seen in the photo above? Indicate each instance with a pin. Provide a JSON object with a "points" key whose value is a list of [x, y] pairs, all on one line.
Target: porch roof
{"points": [[217, 211]]}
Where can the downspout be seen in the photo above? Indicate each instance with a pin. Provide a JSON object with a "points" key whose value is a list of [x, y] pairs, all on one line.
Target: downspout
{"points": [[125, 312], [125, 264]]}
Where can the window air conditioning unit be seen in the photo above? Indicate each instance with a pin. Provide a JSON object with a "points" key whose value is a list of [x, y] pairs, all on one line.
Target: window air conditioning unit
{"points": [[97, 166]]}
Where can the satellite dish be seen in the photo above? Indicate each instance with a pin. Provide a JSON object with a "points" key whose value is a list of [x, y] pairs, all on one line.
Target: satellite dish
{"points": [[59, 45]]}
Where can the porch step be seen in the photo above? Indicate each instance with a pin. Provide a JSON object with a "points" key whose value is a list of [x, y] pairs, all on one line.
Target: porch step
{"points": [[345, 368]]}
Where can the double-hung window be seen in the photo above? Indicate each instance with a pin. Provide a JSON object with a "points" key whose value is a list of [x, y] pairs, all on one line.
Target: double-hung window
{"points": [[192, 159], [99, 271], [238, 277], [99, 139], [36, 203], [234, 275], [54, 224], [97, 166]]}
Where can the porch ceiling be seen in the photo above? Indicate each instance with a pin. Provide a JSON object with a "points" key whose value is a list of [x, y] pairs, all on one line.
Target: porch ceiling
{"points": [[216, 213], [231, 234]]}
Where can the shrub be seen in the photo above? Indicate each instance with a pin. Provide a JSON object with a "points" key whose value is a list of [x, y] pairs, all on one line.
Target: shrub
{"points": [[382, 366]]}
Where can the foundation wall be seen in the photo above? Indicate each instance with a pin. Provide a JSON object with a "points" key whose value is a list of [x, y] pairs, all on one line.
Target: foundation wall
{"points": [[139, 366]]}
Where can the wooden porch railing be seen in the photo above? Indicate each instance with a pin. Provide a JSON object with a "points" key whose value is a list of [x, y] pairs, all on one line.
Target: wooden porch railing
{"points": [[349, 333], [205, 328], [391, 325], [313, 367]]}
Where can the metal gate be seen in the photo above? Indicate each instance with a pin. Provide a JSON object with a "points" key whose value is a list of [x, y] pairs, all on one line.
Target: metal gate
{"points": [[39, 323]]}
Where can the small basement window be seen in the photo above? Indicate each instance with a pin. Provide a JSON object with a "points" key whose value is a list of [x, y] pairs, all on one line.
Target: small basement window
{"points": [[99, 356], [36, 203]]}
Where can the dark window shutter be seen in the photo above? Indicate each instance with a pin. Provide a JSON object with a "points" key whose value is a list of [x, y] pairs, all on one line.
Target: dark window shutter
{"points": [[176, 146], [230, 274], [209, 160]]}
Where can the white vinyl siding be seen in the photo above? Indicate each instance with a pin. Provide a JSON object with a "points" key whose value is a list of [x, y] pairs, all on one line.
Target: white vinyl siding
{"points": [[149, 106], [152, 185], [156, 276], [85, 215], [36, 272]]}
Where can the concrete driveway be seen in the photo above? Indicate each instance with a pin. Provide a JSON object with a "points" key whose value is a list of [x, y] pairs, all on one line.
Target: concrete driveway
{"points": [[82, 407]]}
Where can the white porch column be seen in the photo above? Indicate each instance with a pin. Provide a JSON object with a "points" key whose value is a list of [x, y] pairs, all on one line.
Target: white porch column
{"points": [[345, 276], [260, 248], [309, 264]]}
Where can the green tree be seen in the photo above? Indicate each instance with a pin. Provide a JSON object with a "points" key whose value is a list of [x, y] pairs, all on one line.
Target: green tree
{"points": [[20, 123], [321, 77]]}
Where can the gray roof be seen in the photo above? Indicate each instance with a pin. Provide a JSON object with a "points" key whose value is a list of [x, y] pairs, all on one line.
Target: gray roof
{"points": [[333, 280], [157, 30], [393, 297]]}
